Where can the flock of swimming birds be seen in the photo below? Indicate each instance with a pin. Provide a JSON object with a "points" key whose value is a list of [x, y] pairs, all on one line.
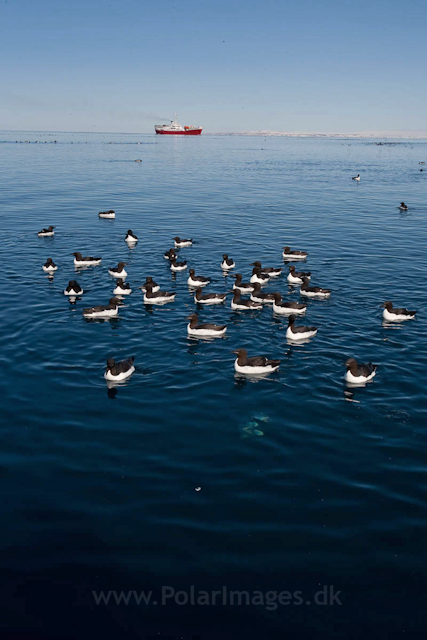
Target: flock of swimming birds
{"points": [[356, 373]]}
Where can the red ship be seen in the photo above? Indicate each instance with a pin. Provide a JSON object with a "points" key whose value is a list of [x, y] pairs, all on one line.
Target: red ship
{"points": [[176, 129]]}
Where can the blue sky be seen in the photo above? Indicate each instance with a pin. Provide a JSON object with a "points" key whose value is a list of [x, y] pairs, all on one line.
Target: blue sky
{"points": [[302, 65]]}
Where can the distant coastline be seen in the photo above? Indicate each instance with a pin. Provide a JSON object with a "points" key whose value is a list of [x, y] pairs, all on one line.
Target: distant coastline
{"points": [[406, 135], [389, 135]]}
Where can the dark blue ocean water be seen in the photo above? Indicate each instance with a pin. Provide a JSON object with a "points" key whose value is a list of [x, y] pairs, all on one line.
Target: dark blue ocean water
{"points": [[301, 485]]}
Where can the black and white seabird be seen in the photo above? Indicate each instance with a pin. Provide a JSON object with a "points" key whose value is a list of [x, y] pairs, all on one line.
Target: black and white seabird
{"points": [[208, 298], [255, 365], [243, 305], [313, 292], [396, 315], [227, 263], [291, 254], [243, 287], [403, 206], [119, 370], [119, 271], [49, 266], [271, 272], [204, 329], [154, 286], [107, 214], [299, 333], [287, 308], [258, 276], [178, 266], [122, 288], [103, 311], [181, 242], [170, 255], [295, 277], [131, 238], [86, 261], [359, 373], [258, 296], [196, 281], [357, 178], [49, 231], [73, 289], [158, 297]]}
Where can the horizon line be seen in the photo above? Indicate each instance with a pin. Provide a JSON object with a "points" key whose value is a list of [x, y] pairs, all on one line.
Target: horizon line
{"points": [[397, 133]]}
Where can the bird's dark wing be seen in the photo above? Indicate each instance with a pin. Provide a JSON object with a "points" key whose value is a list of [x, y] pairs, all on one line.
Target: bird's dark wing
{"points": [[292, 305], [256, 361], [124, 365], [404, 312], [212, 296], [366, 369], [161, 294], [96, 309], [296, 329], [212, 327]]}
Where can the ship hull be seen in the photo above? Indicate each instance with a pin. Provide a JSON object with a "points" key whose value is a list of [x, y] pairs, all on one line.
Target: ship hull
{"points": [[190, 132]]}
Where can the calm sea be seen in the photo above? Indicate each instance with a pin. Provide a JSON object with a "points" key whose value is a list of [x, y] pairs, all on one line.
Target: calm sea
{"points": [[188, 474]]}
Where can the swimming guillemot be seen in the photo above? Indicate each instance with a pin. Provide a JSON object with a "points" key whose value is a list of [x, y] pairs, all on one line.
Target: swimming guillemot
{"points": [[287, 308], [242, 305], [254, 365], [158, 297], [73, 289], [170, 255], [122, 288], [313, 292], [359, 373], [103, 311], [181, 242], [299, 333], [178, 266], [244, 287], [119, 271], [289, 254], [119, 370], [227, 263], [49, 266], [208, 298], [205, 329], [295, 277], [107, 214], [49, 231], [258, 277], [396, 315], [154, 286], [264, 298], [131, 238], [356, 178], [270, 271], [403, 207], [196, 281], [86, 261]]}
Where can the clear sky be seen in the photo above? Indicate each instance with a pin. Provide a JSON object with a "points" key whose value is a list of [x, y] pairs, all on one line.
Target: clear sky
{"points": [[231, 65]]}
